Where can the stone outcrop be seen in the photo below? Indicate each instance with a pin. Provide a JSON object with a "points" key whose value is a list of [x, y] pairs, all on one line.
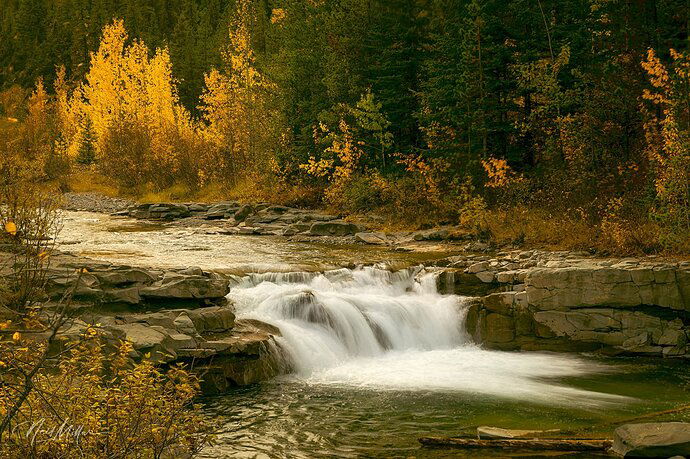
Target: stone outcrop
{"points": [[661, 439], [372, 238], [179, 316], [625, 284], [225, 352], [103, 285], [219, 210], [334, 228], [160, 211], [573, 302], [251, 219]]}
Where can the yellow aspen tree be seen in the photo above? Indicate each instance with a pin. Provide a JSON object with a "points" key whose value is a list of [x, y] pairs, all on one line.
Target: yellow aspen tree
{"points": [[235, 100], [38, 127], [69, 116], [103, 94], [130, 106]]}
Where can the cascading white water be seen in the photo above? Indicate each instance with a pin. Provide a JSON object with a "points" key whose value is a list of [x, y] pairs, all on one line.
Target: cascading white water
{"points": [[378, 329], [329, 318]]}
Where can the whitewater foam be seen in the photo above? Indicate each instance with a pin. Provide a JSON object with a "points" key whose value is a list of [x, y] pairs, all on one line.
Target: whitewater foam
{"points": [[375, 329]]}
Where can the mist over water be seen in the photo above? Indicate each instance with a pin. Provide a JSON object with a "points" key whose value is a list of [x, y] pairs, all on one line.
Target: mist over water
{"points": [[374, 329]]}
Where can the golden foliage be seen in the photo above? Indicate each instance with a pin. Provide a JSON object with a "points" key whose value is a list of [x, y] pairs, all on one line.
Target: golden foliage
{"points": [[341, 160], [668, 135], [499, 172], [93, 405], [235, 104], [11, 228], [128, 93], [278, 15]]}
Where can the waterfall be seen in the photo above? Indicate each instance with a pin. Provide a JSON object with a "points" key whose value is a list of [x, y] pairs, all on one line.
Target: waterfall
{"points": [[378, 329], [328, 318]]}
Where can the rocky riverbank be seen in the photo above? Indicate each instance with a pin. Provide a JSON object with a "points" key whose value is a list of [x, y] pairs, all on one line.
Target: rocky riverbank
{"points": [[520, 300], [95, 202], [170, 316], [531, 300], [264, 219]]}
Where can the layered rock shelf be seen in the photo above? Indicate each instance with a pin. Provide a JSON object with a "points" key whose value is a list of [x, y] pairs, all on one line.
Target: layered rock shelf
{"points": [[235, 218], [173, 316], [250, 219], [518, 300], [573, 302]]}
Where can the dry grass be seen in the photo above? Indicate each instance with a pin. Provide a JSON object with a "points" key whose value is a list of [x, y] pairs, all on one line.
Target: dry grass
{"points": [[85, 180], [537, 228], [180, 193]]}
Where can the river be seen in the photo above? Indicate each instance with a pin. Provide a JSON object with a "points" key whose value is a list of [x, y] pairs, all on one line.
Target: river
{"points": [[379, 357]]}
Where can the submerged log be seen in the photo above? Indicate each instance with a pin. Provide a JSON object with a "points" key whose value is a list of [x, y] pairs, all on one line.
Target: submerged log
{"points": [[533, 444]]}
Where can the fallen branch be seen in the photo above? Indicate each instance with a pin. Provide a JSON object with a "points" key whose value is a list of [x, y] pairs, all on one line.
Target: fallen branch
{"points": [[534, 444]]}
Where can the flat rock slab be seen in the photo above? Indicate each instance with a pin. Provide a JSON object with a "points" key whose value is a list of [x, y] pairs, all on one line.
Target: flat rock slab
{"points": [[334, 228], [657, 439], [372, 238], [487, 432]]}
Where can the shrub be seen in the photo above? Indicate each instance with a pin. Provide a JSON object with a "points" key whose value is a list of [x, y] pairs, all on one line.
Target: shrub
{"points": [[91, 404]]}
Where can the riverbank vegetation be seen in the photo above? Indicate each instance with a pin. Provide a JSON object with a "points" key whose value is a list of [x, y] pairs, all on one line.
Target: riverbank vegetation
{"points": [[65, 390], [555, 123]]}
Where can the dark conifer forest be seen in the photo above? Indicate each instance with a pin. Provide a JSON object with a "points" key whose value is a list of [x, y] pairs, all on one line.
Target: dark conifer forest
{"points": [[569, 119]]}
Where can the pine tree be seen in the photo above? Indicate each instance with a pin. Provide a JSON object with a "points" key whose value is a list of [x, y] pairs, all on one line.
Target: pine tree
{"points": [[87, 150]]}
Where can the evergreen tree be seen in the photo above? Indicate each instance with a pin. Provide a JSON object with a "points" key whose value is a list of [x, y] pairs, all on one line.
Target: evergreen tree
{"points": [[87, 145]]}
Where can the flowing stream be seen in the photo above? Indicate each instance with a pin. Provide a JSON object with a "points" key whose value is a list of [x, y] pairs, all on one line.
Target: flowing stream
{"points": [[376, 329], [378, 356]]}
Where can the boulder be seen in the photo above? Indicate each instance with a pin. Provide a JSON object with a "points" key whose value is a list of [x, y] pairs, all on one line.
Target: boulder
{"points": [[128, 295], [168, 211], [486, 276], [451, 281], [658, 439], [334, 228], [177, 341], [372, 238], [181, 287], [159, 211], [197, 208], [219, 210], [477, 267], [244, 212], [296, 228], [501, 303], [213, 319], [139, 211], [184, 324], [163, 319], [142, 336], [124, 276], [499, 328]]}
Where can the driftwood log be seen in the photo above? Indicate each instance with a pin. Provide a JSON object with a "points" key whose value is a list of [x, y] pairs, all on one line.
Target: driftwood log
{"points": [[533, 444]]}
